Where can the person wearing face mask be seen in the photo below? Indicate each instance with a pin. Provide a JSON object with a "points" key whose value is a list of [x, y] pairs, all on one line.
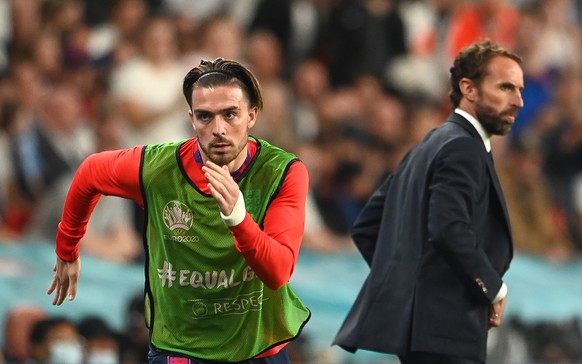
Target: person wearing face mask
{"points": [[101, 342], [55, 340]]}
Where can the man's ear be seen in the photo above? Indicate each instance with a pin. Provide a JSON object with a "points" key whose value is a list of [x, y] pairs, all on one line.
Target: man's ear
{"points": [[191, 116], [468, 89], [253, 113]]}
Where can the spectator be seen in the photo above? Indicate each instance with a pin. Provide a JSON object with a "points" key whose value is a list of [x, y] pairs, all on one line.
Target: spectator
{"points": [[310, 84], [423, 71], [548, 39], [135, 336], [26, 21], [18, 324], [386, 121], [146, 89], [20, 113], [265, 58], [55, 340], [350, 179], [196, 11], [62, 139], [114, 40], [297, 24], [496, 20], [47, 56], [111, 233], [536, 224], [101, 342], [365, 36], [62, 16], [562, 151], [319, 236], [423, 116], [219, 36]]}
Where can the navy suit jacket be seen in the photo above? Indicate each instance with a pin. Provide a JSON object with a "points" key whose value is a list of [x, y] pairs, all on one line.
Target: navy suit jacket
{"points": [[437, 238]]}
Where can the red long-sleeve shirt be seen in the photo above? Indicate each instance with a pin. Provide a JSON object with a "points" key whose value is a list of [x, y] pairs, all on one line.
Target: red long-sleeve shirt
{"points": [[272, 252]]}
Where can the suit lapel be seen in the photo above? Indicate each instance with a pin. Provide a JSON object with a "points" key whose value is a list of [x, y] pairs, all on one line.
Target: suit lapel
{"points": [[465, 124], [497, 186]]}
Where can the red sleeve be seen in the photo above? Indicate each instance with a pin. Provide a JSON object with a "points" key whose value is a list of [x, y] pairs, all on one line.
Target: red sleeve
{"points": [[114, 173], [272, 253]]}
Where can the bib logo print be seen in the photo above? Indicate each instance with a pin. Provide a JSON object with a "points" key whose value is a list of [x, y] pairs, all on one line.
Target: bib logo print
{"points": [[177, 216]]}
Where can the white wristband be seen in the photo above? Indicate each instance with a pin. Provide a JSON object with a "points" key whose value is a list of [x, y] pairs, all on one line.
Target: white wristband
{"points": [[238, 212]]}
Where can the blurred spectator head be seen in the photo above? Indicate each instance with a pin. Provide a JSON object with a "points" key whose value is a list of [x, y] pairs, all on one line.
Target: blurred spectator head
{"points": [[265, 55], [159, 42], [26, 83], [26, 23], [386, 119], [310, 80], [340, 106], [61, 110], [101, 342], [127, 16], [524, 159], [47, 54], [423, 117], [55, 340], [62, 16], [18, 325], [222, 36]]}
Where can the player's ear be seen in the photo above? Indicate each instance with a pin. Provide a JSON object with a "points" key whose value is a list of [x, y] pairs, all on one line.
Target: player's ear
{"points": [[253, 113], [191, 116]]}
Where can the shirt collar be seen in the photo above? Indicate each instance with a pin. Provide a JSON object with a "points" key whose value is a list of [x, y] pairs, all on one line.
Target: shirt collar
{"points": [[477, 125]]}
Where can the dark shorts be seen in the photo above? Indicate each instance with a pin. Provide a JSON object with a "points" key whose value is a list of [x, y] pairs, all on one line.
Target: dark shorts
{"points": [[163, 357]]}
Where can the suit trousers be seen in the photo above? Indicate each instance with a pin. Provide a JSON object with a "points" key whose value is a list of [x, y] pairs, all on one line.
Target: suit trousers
{"points": [[419, 357]]}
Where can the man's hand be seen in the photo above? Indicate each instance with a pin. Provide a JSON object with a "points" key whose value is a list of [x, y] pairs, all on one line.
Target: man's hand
{"points": [[496, 312], [222, 186], [65, 281]]}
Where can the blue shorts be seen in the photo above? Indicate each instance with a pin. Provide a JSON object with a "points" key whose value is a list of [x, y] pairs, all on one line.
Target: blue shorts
{"points": [[163, 357]]}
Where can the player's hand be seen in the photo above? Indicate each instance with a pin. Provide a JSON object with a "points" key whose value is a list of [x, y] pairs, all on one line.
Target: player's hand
{"points": [[65, 280], [222, 186]]}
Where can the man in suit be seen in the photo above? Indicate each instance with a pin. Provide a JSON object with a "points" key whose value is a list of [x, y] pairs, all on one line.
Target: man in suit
{"points": [[436, 233]]}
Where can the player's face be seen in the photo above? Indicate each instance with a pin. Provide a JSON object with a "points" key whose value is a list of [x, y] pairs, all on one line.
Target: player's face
{"points": [[222, 119], [499, 96]]}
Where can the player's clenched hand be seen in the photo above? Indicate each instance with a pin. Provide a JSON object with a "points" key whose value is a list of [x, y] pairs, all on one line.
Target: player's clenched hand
{"points": [[222, 186], [65, 280]]}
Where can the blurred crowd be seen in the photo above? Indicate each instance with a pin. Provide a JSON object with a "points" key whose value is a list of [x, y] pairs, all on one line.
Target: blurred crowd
{"points": [[349, 86], [32, 335]]}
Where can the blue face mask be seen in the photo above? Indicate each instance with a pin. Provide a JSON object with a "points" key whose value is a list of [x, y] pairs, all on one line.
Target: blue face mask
{"points": [[102, 357], [66, 352]]}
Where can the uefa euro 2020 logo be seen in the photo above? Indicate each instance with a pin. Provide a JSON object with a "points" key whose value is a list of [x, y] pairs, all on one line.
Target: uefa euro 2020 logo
{"points": [[177, 216]]}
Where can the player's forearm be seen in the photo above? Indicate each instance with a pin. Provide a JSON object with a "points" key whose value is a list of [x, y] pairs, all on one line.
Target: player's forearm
{"points": [[273, 251], [273, 260]]}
